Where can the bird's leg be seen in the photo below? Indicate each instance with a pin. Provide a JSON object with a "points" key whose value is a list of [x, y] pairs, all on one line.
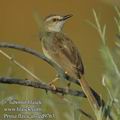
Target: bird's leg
{"points": [[54, 80], [67, 87], [68, 84], [51, 83]]}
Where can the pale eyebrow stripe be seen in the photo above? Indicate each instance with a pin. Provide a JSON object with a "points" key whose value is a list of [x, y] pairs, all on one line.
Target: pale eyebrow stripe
{"points": [[54, 16]]}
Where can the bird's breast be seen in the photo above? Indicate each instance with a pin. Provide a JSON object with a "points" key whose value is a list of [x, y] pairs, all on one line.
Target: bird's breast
{"points": [[46, 50]]}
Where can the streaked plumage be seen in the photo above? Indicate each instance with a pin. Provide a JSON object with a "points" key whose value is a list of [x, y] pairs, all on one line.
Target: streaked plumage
{"points": [[61, 49]]}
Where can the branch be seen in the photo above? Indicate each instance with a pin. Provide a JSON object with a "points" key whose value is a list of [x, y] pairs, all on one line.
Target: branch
{"points": [[19, 65], [37, 84]]}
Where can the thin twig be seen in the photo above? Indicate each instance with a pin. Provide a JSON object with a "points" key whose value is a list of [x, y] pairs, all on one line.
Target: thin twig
{"points": [[99, 28], [18, 64], [101, 31]]}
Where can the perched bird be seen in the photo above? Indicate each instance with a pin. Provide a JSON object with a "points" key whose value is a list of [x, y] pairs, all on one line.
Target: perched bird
{"points": [[60, 49]]}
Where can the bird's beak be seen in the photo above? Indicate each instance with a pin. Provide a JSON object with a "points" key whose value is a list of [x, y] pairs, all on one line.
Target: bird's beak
{"points": [[67, 16]]}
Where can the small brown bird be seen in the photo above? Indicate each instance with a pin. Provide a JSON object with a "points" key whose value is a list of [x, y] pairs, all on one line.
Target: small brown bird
{"points": [[61, 50]]}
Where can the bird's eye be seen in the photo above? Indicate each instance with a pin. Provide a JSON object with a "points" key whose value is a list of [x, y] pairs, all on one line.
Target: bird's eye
{"points": [[54, 20]]}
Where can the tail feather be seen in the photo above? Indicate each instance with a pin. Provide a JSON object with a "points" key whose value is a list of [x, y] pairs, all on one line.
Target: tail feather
{"points": [[94, 99], [101, 103]]}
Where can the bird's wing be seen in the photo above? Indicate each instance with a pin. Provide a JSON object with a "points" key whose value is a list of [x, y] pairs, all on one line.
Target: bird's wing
{"points": [[66, 54]]}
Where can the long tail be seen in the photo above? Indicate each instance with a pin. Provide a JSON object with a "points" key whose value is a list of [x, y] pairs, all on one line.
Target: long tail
{"points": [[106, 109], [88, 92], [94, 98]]}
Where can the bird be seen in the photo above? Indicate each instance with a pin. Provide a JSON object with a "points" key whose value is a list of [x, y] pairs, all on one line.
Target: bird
{"points": [[60, 49]]}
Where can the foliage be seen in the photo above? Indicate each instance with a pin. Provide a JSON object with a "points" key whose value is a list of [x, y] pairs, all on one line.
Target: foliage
{"points": [[111, 77]]}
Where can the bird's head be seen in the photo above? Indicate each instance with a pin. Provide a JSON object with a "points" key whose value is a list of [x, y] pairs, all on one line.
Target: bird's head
{"points": [[54, 23]]}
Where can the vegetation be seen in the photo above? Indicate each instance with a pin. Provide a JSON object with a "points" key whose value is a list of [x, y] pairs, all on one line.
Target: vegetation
{"points": [[110, 80]]}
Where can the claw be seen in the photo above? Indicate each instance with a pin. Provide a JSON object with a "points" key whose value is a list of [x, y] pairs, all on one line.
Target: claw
{"points": [[53, 87]]}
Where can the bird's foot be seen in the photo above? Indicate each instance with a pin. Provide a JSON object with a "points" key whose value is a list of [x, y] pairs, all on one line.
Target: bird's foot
{"points": [[51, 83], [68, 86]]}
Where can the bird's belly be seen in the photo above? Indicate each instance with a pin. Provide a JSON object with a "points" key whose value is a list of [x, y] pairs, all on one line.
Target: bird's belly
{"points": [[64, 64], [46, 53], [60, 59]]}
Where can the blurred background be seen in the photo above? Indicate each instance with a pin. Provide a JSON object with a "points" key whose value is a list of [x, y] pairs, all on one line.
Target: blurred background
{"points": [[17, 25]]}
